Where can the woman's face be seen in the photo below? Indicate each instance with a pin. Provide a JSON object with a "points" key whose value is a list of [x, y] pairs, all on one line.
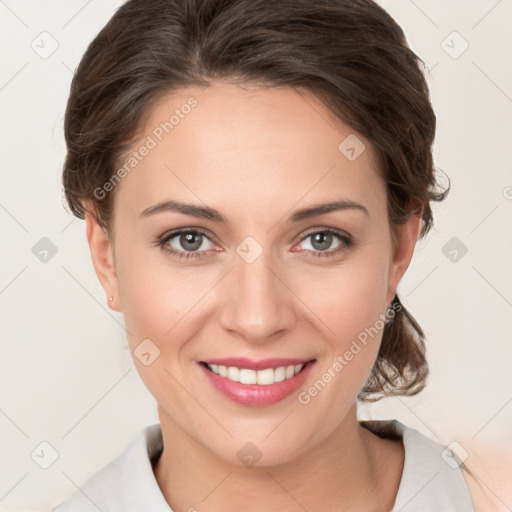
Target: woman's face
{"points": [[263, 283]]}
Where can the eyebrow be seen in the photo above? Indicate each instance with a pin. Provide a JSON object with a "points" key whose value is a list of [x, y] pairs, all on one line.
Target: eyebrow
{"points": [[212, 214]]}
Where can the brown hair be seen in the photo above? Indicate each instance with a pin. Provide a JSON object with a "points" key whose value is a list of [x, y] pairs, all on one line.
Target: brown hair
{"points": [[350, 53]]}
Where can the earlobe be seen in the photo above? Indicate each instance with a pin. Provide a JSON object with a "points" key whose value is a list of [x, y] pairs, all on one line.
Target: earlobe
{"points": [[103, 260]]}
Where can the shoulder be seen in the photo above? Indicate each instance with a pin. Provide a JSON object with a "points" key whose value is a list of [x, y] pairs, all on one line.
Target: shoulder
{"points": [[432, 479], [125, 483], [93, 494]]}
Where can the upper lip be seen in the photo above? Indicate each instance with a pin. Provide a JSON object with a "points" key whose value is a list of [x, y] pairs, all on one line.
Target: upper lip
{"points": [[262, 364]]}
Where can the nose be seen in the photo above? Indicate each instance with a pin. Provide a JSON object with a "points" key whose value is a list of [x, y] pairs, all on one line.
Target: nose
{"points": [[259, 305]]}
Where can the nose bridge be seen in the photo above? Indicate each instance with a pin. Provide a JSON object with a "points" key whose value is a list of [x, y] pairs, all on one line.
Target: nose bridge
{"points": [[259, 304]]}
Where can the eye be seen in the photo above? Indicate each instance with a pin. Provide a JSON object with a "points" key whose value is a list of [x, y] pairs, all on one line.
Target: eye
{"points": [[194, 243], [322, 241], [189, 243]]}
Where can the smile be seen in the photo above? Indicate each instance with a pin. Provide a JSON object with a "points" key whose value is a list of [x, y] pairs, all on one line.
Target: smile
{"points": [[256, 383], [262, 377]]}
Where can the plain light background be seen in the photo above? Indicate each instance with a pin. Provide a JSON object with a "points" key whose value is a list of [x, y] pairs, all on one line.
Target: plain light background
{"points": [[66, 377]]}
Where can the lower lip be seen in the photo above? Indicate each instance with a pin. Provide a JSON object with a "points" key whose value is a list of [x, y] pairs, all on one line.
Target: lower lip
{"points": [[254, 394]]}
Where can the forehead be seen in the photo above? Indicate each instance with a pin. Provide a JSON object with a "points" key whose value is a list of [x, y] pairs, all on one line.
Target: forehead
{"points": [[263, 145]]}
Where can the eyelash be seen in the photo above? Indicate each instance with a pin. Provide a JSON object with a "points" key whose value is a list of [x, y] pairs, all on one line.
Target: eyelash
{"points": [[348, 243]]}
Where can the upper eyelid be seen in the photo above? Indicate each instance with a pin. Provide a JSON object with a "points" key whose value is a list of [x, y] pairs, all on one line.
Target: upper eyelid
{"points": [[338, 232], [171, 234]]}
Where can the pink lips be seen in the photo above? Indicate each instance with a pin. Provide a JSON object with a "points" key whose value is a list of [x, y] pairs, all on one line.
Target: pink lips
{"points": [[254, 394]]}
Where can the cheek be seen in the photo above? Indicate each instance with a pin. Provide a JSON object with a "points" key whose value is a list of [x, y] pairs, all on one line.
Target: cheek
{"points": [[349, 303], [156, 297], [157, 304], [149, 306], [350, 306], [348, 299]]}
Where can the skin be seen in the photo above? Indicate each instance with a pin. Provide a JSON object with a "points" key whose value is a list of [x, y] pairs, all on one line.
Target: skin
{"points": [[257, 156]]}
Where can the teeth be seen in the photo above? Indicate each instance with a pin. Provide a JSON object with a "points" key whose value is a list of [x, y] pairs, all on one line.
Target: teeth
{"points": [[234, 373], [265, 377], [279, 374], [248, 376], [262, 377]]}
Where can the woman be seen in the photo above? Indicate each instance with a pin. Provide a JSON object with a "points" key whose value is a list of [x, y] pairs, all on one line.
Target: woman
{"points": [[254, 177]]}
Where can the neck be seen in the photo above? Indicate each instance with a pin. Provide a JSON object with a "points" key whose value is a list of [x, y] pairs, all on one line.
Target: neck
{"points": [[352, 469]]}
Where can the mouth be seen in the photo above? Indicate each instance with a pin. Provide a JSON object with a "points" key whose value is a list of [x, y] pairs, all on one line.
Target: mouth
{"points": [[256, 383], [248, 373]]}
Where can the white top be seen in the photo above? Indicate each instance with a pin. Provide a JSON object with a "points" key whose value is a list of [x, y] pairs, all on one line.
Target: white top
{"points": [[431, 479]]}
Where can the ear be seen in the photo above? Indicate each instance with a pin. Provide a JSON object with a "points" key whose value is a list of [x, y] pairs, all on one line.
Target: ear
{"points": [[407, 233], [102, 255]]}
